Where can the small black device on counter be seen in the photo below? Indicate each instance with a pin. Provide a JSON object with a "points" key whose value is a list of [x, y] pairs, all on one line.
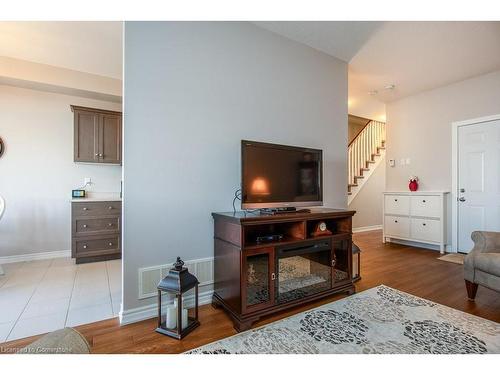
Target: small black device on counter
{"points": [[270, 238], [78, 193]]}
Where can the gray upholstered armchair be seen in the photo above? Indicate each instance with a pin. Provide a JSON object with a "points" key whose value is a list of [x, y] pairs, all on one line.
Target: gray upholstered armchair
{"points": [[482, 264]]}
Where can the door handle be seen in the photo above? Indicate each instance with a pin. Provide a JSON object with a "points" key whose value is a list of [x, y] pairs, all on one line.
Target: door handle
{"points": [[461, 199]]}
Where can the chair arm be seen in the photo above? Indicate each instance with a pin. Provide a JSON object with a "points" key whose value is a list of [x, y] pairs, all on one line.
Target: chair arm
{"points": [[486, 242]]}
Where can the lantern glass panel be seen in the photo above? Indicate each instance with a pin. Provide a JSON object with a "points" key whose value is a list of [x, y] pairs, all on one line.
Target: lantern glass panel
{"points": [[355, 265]]}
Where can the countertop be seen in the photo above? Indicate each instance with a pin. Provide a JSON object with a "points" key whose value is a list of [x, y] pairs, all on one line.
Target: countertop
{"points": [[99, 197]]}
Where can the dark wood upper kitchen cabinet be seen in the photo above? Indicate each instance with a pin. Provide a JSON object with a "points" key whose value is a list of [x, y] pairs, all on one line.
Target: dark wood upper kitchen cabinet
{"points": [[97, 135]]}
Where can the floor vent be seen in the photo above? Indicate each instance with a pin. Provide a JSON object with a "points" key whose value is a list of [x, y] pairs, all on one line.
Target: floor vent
{"points": [[149, 277]]}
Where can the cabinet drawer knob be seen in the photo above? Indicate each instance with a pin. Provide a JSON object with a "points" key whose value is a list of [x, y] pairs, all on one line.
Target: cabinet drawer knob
{"points": [[84, 246], [110, 224], [110, 208], [110, 244], [423, 224], [85, 208], [333, 262], [395, 200], [423, 201], [395, 221], [85, 225]]}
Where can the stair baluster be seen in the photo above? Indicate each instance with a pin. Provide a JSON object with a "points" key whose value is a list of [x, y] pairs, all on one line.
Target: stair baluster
{"points": [[363, 150]]}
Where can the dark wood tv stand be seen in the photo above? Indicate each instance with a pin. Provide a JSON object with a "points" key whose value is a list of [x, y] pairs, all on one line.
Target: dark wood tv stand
{"points": [[257, 279]]}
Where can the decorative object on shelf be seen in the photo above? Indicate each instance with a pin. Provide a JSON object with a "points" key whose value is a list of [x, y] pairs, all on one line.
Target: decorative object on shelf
{"points": [[413, 183], [174, 319], [320, 229], [356, 262], [2, 147], [78, 193]]}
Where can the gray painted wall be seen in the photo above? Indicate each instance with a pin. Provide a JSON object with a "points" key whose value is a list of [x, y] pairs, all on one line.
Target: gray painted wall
{"points": [[193, 90], [419, 128], [368, 203]]}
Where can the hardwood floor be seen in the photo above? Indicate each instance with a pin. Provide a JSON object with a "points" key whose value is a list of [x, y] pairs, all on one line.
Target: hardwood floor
{"points": [[412, 270]]}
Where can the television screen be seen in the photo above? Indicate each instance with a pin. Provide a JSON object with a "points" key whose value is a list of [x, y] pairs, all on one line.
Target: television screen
{"points": [[280, 176]]}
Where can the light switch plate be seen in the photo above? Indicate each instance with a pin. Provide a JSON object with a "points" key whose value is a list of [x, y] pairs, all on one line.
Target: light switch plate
{"points": [[392, 163]]}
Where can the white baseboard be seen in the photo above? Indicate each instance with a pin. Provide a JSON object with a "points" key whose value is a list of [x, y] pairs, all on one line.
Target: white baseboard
{"points": [[151, 311], [423, 245], [35, 256], [366, 229]]}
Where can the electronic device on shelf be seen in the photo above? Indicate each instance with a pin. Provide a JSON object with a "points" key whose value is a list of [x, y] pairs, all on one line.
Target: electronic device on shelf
{"points": [[269, 238], [279, 178], [283, 210], [78, 193]]}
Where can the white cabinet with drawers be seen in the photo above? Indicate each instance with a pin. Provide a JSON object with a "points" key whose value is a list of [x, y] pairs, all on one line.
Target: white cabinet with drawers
{"points": [[416, 216]]}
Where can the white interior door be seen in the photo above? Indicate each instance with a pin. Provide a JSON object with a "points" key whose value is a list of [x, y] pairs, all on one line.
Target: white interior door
{"points": [[478, 180]]}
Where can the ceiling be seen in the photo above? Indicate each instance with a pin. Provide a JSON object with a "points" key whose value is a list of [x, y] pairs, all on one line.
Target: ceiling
{"points": [[414, 56], [91, 47], [341, 39], [418, 56]]}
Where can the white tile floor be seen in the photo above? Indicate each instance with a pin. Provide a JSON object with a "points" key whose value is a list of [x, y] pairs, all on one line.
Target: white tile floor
{"points": [[42, 296]]}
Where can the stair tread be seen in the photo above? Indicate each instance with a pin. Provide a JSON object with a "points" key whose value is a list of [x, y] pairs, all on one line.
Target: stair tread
{"points": [[352, 185], [359, 176]]}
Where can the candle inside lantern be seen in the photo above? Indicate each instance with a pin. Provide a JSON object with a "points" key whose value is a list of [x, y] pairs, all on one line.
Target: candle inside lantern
{"points": [[171, 321], [184, 318]]}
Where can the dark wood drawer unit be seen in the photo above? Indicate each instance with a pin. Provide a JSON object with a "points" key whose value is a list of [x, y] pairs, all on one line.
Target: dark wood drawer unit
{"points": [[96, 231], [254, 278]]}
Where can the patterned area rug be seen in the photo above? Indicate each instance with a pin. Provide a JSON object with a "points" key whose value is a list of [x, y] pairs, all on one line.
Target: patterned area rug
{"points": [[378, 320]]}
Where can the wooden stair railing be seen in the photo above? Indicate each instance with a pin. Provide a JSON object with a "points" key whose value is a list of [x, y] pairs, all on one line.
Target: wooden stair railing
{"points": [[363, 149]]}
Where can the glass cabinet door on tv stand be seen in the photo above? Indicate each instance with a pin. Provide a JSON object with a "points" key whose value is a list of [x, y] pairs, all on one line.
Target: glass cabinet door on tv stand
{"points": [[341, 268], [259, 277]]}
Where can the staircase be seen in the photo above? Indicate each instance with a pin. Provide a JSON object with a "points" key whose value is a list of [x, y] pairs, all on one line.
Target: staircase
{"points": [[365, 152]]}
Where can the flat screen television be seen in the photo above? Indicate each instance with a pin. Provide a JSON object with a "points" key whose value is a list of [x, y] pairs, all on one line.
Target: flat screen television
{"points": [[275, 176]]}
